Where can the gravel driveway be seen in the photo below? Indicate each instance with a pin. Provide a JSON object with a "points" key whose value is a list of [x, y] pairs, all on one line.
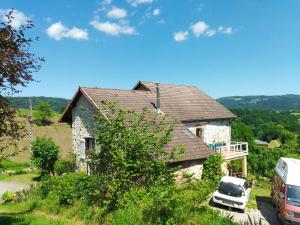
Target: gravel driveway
{"points": [[266, 212], [11, 186]]}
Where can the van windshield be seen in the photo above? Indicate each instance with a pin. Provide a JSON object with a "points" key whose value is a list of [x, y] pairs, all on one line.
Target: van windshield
{"points": [[230, 189], [293, 195]]}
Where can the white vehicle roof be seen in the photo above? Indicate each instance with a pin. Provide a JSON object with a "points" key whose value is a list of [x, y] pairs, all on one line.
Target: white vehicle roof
{"points": [[234, 180], [289, 170]]}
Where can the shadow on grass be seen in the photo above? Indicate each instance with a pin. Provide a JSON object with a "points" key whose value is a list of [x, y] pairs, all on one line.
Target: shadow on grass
{"points": [[7, 218], [37, 178]]}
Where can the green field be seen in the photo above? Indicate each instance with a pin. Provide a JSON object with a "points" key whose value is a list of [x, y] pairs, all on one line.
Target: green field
{"points": [[59, 132]]}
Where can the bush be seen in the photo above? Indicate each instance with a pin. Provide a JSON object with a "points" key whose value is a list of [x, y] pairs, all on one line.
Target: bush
{"points": [[167, 206], [212, 168], [72, 187], [8, 196], [44, 154], [63, 166]]}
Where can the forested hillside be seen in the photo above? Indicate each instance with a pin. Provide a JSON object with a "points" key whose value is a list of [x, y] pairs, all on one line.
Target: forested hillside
{"points": [[276, 102], [57, 104], [281, 129]]}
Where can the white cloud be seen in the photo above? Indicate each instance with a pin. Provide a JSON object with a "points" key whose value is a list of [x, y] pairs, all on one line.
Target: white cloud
{"points": [[139, 2], [225, 30], [18, 20], [199, 28], [181, 36], [58, 31], [116, 13], [113, 29], [210, 32], [156, 12]]}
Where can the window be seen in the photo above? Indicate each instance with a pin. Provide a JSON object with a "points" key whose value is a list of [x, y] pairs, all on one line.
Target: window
{"points": [[89, 145], [228, 188], [199, 132]]}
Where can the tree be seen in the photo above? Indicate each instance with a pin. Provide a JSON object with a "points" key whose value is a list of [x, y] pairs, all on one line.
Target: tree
{"points": [[17, 65], [132, 149], [43, 113], [44, 154], [212, 168], [242, 132]]}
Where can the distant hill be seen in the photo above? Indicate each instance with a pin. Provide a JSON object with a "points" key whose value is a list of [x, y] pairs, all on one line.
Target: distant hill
{"points": [[276, 102], [57, 104]]}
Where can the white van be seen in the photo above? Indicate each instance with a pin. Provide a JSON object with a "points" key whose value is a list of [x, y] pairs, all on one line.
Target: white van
{"points": [[233, 192], [286, 190]]}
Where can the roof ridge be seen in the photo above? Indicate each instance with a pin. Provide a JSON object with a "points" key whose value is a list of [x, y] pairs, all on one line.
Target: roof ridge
{"points": [[115, 89], [185, 85]]}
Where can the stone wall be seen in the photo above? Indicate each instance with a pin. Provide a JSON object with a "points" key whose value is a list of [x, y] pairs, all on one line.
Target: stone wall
{"points": [[82, 127], [193, 167], [218, 131]]}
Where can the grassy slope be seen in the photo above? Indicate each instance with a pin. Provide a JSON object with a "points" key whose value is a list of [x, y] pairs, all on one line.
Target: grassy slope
{"points": [[260, 194], [26, 219], [59, 132]]}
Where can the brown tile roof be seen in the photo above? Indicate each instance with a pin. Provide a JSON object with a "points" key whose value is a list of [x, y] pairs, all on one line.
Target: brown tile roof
{"points": [[177, 101], [187, 102], [195, 148]]}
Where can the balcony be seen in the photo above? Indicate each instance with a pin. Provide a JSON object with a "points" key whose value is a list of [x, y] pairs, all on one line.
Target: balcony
{"points": [[232, 151]]}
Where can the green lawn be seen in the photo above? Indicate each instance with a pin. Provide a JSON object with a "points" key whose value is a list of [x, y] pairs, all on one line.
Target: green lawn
{"points": [[11, 165], [25, 112], [29, 219], [260, 194], [29, 178]]}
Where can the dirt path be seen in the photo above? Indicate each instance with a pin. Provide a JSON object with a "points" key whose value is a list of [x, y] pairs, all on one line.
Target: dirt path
{"points": [[12, 186]]}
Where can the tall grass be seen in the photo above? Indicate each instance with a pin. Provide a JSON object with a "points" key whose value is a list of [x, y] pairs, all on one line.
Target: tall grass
{"points": [[11, 165]]}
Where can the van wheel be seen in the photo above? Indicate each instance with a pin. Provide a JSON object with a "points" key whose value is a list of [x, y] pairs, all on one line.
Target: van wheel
{"points": [[279, 217]]}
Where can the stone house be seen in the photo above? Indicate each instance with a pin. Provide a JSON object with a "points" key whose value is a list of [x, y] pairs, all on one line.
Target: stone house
{"points": [[203, 124]]}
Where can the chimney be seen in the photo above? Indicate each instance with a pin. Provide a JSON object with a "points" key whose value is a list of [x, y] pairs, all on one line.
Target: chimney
{"points": [[157, 98]]}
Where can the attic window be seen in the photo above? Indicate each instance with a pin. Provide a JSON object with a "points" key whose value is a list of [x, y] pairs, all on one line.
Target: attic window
{"points": [[199, 132]]}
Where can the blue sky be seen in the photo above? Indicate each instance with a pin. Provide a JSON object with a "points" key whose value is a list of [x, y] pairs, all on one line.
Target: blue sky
{"points": [[225, 47]]}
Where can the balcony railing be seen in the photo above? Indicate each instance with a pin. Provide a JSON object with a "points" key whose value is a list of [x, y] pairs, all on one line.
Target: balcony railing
{"points": [[234, 150]]}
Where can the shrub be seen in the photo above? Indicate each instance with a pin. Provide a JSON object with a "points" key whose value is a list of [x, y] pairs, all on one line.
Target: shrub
{"points": [[63, 166], [8, 196], [166, 207], [44, 154], [72, 187], [212, 168]]}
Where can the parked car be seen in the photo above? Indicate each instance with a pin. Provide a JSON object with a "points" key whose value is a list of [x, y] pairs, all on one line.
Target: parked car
{"points": [[286, 190], [233, 192]]}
